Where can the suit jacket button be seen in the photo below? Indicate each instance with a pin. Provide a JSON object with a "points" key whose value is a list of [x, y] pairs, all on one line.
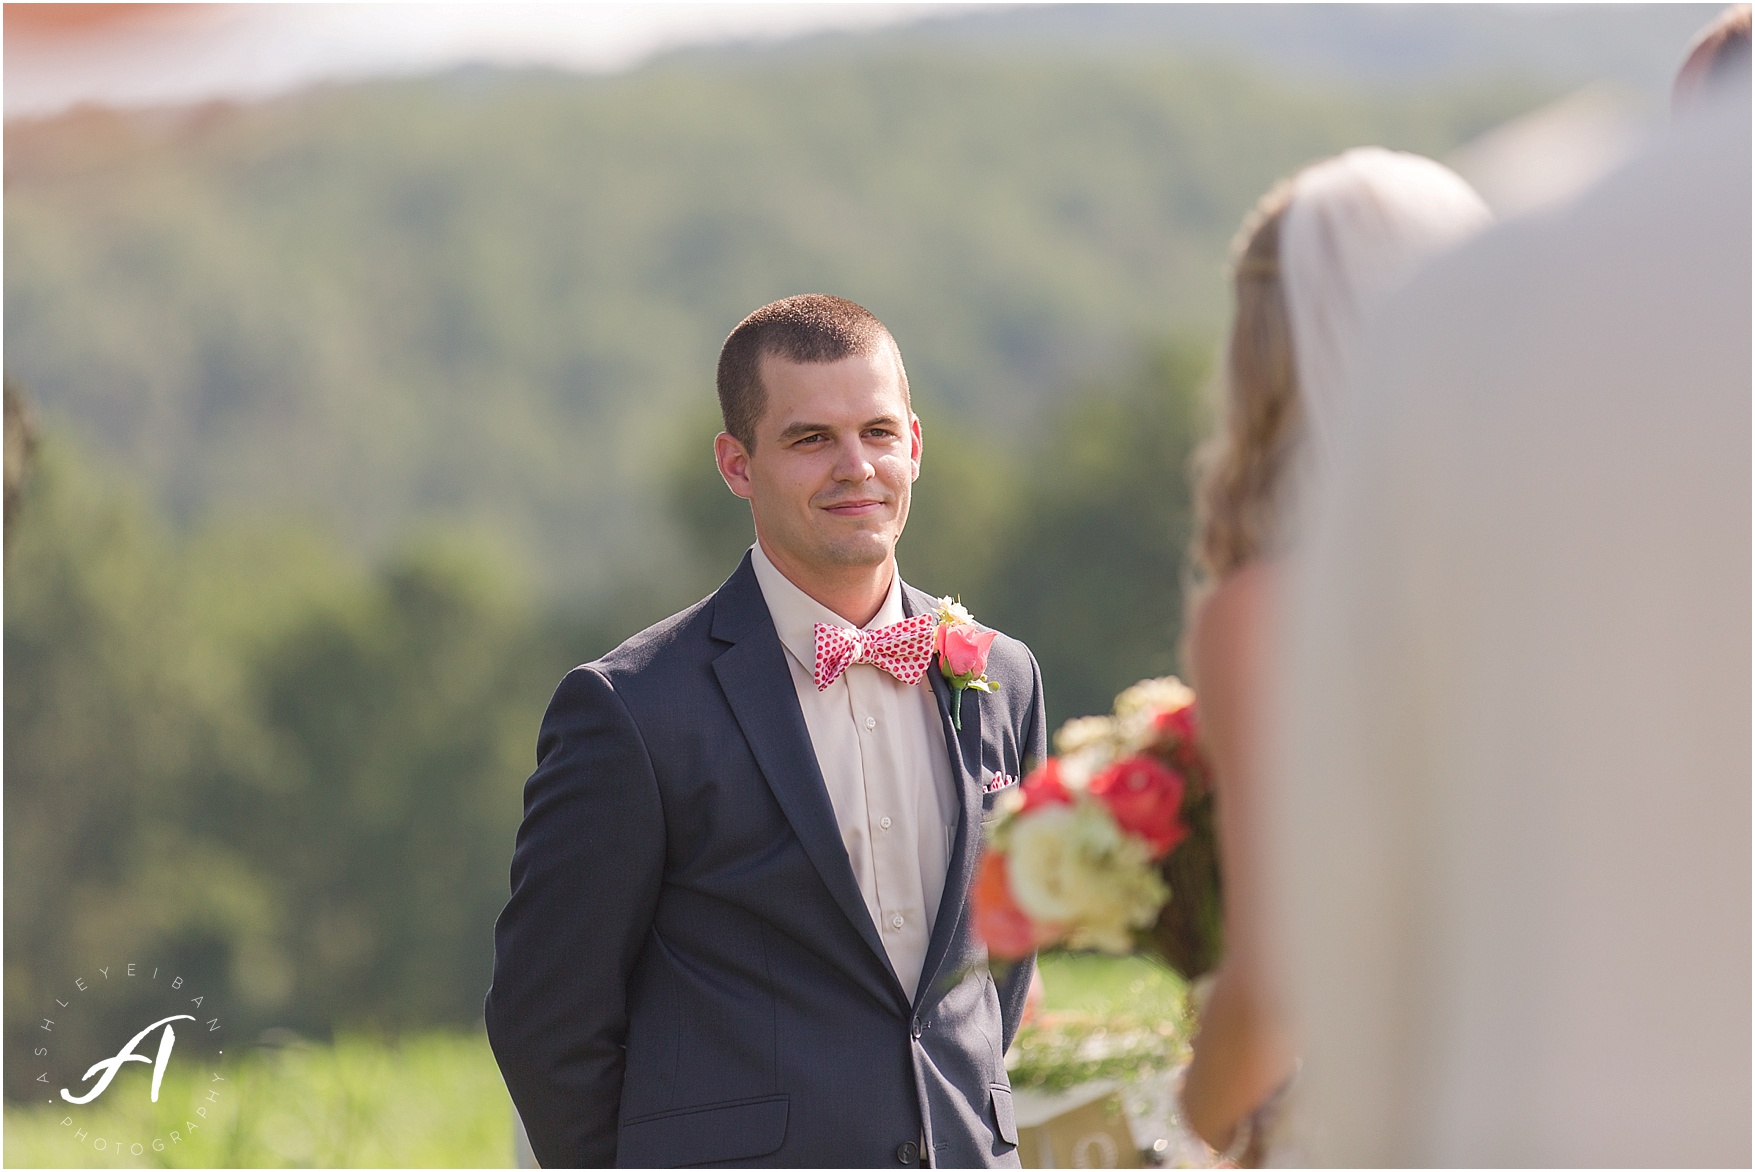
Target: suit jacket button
{"points": [[908, 1153], [917, 1030]]}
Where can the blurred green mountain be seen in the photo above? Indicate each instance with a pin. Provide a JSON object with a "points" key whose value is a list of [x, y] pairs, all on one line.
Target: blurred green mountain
{"points": [[1387, 46], [493, 299]]}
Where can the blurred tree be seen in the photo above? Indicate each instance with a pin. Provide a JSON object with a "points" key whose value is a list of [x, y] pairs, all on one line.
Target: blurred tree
{"points": [[714, 521], [1089, 570], [399, 720], [962, 504], [21, 449], [246, 759], [112, 733]]}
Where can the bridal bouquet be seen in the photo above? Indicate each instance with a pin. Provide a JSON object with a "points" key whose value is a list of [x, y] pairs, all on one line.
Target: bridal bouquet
{"points": [[1109, 844]]}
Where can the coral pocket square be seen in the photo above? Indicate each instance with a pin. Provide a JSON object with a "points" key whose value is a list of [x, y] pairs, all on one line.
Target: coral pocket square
{"points": [[998, 782]]}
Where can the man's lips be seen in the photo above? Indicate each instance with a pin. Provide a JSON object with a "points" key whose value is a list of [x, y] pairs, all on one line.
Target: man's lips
{"points": [[859, 508]]}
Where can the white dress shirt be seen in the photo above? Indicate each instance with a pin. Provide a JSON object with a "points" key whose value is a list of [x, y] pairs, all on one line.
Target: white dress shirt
{"points": [[881, 747]]}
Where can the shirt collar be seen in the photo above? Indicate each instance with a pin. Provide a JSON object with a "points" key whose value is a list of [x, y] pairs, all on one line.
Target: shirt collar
{"points": [[796, 614]]}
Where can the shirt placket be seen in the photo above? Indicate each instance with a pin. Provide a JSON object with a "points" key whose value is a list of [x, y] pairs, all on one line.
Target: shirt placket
{"points": [[890, 825]]}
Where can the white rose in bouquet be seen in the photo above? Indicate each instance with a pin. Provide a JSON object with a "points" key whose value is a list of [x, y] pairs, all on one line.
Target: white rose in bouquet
{"points": [[1070, 864]]}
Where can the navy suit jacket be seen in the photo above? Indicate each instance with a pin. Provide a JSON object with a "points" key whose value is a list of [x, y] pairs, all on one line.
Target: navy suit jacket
{"points": [[686, 972]]}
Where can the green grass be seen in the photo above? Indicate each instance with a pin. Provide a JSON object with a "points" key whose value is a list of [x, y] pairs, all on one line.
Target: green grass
{"points": [[1111, 986], [436, 1099], [429, 1100], [1102, 1017]]}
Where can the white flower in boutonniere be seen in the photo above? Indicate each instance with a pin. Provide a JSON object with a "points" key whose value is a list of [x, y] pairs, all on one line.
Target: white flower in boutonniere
{"points": [[962, 648]]}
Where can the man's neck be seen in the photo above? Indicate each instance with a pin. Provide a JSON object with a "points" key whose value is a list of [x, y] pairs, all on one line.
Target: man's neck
{"points": [[855, 593]]}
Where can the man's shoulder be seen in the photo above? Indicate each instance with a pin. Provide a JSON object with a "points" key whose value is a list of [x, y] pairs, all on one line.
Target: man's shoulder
{"points": [[662, 668], [1011, 665], [650, 673], [1010, 659], [681, 640]]}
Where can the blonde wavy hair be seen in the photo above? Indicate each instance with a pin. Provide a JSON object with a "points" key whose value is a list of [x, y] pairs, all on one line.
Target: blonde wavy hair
{"points": [[1240, 470], [1313, 257]]}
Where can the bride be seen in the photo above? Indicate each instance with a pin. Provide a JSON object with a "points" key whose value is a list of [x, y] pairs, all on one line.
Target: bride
{"points": [[1311, 259]]}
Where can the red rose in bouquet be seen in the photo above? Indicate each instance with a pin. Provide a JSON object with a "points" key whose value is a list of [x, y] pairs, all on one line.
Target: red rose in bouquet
{"points": [[1145, 796], [1178, 736], [1044, 787]]}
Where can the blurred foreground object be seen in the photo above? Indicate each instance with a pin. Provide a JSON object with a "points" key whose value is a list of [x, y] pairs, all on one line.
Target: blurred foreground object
{"points": [[1312, 261], [1086, 1127], [1548, 156], [1109, 845], [1514, 785], [1718, 58]]}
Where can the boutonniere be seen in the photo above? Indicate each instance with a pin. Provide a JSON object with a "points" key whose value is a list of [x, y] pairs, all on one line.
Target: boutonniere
{"points": [[962, 648]]}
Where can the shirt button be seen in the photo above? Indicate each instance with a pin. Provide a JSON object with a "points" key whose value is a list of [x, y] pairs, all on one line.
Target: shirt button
{"points": [[870, 722], [896, 920], [884, 822]]}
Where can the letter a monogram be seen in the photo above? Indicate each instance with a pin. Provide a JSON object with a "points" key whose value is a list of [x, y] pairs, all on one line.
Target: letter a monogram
{"points": [[111, 1065]]}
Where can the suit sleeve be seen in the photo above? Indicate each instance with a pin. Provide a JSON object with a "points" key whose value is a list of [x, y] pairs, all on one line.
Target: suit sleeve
{"points": [[586, 872], [1014, 989]]}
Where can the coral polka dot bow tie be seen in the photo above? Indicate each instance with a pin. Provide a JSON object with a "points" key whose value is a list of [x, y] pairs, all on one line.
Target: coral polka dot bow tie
{"points": [[903, 649]]}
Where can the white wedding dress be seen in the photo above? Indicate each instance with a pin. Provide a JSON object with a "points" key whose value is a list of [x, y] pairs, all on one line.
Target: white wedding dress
{"points": [[1513, 843]]}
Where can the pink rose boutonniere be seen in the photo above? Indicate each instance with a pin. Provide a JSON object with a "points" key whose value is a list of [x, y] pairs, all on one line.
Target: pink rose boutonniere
{"points": [[962, 648]]}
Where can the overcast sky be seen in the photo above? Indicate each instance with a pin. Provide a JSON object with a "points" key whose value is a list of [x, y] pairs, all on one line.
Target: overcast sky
{"points": [[60, 55]]}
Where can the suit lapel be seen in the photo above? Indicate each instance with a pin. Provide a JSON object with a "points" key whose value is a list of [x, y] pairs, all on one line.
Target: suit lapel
{"points": [[758, 686], [965, 751]]}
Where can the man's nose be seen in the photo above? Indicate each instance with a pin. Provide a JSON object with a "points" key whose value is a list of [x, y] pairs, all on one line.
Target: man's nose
{"points": [[851, 464]]}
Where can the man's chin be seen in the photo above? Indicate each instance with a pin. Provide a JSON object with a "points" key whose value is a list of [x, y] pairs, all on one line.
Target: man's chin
{"points": [[870, 550]]}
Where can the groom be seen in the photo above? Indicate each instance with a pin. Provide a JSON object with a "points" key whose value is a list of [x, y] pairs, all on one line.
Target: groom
{"points": [[739, 929]]}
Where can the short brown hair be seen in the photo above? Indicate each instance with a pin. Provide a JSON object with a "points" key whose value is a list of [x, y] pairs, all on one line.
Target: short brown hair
{"points": [[812, 327]]}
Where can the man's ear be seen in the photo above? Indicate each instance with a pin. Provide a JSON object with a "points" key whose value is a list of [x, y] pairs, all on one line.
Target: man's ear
{"points": [[916, 445], [734, 463]]}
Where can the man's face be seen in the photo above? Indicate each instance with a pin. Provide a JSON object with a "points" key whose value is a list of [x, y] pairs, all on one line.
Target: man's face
{"points": [[836, 453]]}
